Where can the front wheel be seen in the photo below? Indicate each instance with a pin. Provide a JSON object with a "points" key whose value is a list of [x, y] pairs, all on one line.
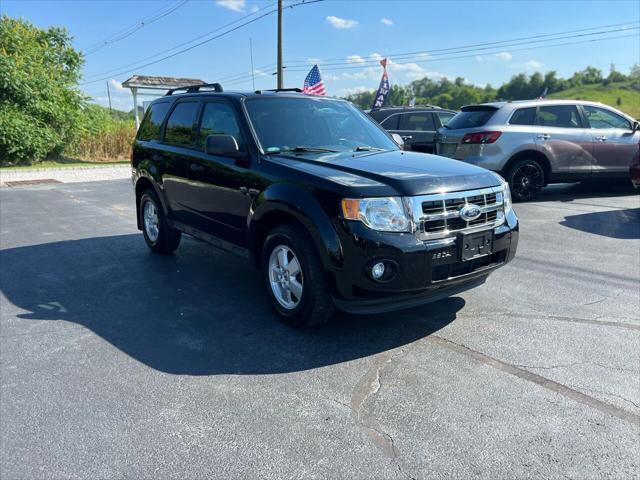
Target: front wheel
{"points": [[158, 235], [526, 179], [295, 281]]}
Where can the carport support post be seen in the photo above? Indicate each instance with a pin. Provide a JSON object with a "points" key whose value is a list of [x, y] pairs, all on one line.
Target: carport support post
{"points": [[134, 91]]}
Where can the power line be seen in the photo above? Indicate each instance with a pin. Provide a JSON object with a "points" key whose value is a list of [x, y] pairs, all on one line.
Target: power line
{"points": [[451, 56], [128, 31], [419, 55], [176, 47]]}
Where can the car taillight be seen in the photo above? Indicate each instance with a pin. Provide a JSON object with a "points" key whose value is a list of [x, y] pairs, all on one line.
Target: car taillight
{"points": [[481, 137]]}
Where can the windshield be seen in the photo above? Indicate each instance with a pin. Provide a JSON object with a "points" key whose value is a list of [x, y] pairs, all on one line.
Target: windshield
{"points": [[471, 118], [314, 124]]}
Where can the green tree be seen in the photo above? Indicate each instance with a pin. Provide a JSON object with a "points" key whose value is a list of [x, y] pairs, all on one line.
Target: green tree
{"points": [[39, 98]]}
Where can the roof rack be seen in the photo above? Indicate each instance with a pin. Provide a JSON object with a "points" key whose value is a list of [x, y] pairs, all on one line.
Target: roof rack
{"points": [[196, 88], [436, 107], [279, 90]]}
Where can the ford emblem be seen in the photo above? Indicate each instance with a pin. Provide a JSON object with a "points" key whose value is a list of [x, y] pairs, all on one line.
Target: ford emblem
{"points": [[470, 212]]}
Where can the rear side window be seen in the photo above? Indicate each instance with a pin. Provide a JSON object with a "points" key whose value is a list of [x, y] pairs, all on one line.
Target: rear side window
{"points": [[179, 130], [218, 119], [561, 116], [600, 118], [419, 121], [445, 117], [150, 126], [471, 118], [391, 122], [523, 116]]}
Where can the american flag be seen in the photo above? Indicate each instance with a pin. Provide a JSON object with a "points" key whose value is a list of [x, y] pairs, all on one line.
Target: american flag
{"points": [[313, 84]]}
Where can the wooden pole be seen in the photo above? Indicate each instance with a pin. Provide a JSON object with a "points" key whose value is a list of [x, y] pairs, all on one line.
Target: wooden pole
{"points": [[109, 95], [280, 72], [134, 90]]}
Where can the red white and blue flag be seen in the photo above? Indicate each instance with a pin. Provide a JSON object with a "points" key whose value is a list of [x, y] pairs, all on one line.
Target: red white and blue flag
{"points": [[383, 89], [313, 84]]}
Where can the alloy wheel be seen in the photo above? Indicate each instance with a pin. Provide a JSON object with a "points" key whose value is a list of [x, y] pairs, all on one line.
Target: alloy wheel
{"points": [[285, 277], [151, 221], [527, 180]]}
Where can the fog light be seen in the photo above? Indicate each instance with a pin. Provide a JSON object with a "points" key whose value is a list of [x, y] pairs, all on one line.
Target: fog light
{"points": [[377, 271]]}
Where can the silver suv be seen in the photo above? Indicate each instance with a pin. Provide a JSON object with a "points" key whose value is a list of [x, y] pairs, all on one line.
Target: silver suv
{"points": [[536, 142]]}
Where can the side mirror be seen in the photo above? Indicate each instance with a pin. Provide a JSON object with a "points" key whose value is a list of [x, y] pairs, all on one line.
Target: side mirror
{"points": [[221, 145], [635, 127], [398, 139]]}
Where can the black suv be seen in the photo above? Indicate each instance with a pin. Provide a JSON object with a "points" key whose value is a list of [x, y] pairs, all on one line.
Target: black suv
{"points": [[320, 198], [416, 125]]}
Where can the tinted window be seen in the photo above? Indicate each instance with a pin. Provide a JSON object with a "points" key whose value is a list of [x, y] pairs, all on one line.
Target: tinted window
{"points": [[562, 116], [601, 118], [283, 123], [445, 117], [471, 118], [150, 126], [391, 122], [419, 121], [523, 116], [218, 119], [180, 124]]}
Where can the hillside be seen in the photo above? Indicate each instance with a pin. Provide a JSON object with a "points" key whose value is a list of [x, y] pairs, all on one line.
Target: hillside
{"points": [[619, 95]]}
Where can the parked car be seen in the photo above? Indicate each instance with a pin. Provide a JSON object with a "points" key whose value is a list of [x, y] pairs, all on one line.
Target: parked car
{"points": [[533, 143], [417, 126], [634, 169], [320, 198]]}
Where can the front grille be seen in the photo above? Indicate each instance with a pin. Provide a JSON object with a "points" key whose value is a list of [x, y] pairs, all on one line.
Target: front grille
{"points": [[439, 215]]}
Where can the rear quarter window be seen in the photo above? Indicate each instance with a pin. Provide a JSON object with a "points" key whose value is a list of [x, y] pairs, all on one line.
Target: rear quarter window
{"points": [[523, 116], [471, 118], [152, 121]]}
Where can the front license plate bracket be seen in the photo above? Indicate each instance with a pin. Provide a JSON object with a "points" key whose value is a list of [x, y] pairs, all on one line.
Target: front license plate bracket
{"points": [[474, 245]]}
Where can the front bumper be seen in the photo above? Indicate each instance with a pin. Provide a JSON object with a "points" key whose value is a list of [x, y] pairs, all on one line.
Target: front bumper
{"points": [[425, 271]]}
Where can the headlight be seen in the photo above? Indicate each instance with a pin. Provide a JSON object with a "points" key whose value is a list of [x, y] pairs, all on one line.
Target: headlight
{"points": [[506, 193], [385, 214]]}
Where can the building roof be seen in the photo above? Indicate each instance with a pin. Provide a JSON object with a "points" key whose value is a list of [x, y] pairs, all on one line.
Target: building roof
{"points": [[160, 82]]}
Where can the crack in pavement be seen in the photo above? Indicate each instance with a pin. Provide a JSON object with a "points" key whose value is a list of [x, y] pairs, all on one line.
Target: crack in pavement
{"points": [[538, 380], [578, 387], [574, 364], [365, 391]]}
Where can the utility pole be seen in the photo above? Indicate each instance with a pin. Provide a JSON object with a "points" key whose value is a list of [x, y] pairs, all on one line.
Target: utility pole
{"points": [[280, 72], [253, 72], [109, 95]]}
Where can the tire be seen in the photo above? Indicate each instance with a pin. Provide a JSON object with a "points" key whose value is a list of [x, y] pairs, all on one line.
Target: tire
{"points": [[165, 239], [314, 305], [526, 179]]}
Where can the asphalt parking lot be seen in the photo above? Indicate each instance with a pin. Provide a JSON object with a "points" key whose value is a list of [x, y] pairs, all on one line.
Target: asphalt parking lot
{"points": [[119, 363]]}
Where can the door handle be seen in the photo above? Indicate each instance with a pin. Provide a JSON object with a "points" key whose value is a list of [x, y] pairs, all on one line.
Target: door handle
{"points": [[196, 168], [406, 137], [544, 136], [601, 138]]}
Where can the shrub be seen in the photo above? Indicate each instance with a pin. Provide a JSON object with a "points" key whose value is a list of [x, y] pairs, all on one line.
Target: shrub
{"points": [[39, 98]]}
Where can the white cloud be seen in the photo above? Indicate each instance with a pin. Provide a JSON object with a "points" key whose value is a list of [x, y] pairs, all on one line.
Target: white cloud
{"points": [[506, 56], [386, 21], [534, 65], [479, 58], [341, 23], [234, 5], [117, 86], [355, 59], [259, 73], [375, 56], [330, 76], [313, 60], [255, 8]]}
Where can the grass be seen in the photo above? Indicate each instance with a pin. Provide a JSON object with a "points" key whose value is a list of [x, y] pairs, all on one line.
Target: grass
{"points": [[66, 162], [607, 94]]}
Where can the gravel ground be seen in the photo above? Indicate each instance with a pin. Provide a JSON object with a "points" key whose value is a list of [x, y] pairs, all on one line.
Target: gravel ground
{"points": [[117, 363], [66, 174]]}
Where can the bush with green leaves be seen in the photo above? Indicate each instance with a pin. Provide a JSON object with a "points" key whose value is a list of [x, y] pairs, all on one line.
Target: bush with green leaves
{"points": [[40, 102]]}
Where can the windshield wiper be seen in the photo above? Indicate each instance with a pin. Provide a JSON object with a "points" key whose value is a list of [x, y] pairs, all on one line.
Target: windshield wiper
{"points": [[366, 148], [300, 149]]}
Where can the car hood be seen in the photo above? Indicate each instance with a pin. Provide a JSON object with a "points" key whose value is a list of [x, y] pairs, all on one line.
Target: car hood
{"points": [[407, 173]]}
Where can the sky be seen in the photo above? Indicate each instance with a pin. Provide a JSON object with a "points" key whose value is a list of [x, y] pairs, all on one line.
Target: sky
{"points": [[345, 37]]}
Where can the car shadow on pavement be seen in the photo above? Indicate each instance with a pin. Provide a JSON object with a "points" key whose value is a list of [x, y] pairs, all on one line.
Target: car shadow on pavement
{"points": [[198, 312], [568, 192], [621, 224]]}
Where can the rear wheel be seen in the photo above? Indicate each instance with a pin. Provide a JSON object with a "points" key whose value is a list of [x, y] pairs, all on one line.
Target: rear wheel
{"points": [[526, 179], [295, 281], [158, 235]]}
